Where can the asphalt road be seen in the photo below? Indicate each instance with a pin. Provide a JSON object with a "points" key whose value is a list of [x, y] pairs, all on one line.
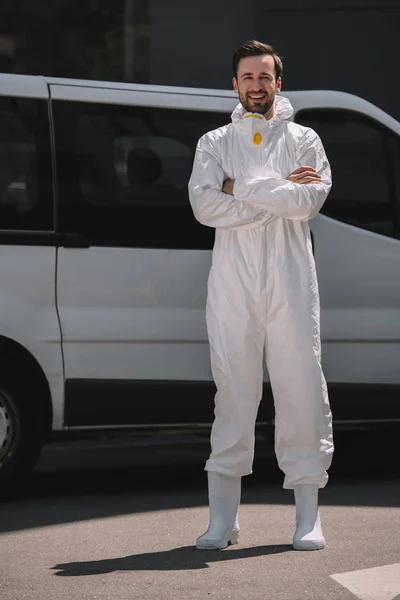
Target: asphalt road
{"points": [[118, 518]]}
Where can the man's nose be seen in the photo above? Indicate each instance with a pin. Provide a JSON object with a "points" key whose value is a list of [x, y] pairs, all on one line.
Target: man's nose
{"points": [[257, 84]]}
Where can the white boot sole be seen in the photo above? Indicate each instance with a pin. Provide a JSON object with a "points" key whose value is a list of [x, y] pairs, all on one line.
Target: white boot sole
{"points": [[308, 545], [208, 544]]}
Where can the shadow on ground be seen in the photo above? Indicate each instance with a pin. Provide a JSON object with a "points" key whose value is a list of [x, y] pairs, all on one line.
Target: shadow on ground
{"points": [[178, 559]]}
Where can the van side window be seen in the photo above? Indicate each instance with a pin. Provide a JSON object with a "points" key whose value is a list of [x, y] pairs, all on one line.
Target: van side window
{"points": [[362, 194], [26, 194], [394, 149], [123, 173]]}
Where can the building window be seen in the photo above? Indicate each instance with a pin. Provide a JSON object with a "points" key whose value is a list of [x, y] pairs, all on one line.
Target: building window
{"points": [[362, 194], [123, 173], [26, 195]]}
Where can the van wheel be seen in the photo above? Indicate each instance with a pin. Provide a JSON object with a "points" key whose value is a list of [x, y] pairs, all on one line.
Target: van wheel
{"points": [[22, 431]]}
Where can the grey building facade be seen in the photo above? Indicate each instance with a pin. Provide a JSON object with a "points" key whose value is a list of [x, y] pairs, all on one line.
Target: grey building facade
{"points": [[346, 45]]}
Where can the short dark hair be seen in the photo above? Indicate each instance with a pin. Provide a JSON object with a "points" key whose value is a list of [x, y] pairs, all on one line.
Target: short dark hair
{"points": [[254, 48]]}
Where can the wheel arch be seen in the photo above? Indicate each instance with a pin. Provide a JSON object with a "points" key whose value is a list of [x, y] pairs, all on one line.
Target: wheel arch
{"points": [[17, 354]]}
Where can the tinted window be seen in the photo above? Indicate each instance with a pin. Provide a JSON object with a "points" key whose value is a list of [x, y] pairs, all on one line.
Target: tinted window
{"points": [[356, 149], [123, 173], [394, 160], [25, 165], [394, 145]]}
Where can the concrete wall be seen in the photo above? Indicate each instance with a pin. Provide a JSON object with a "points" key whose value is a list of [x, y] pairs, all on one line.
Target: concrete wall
{"points": [[347, 45], [191, 43], [353, 49]]}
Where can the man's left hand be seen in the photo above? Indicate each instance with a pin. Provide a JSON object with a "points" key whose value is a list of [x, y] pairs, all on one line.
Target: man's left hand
{"points": [[228, 186]]}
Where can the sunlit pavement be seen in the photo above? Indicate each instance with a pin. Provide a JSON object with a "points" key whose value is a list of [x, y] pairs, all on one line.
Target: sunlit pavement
{"points": [[118, 518]]}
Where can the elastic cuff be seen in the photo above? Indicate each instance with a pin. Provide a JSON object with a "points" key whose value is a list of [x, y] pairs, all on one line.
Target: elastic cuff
{"points": [[320, 482], [226, 472]]}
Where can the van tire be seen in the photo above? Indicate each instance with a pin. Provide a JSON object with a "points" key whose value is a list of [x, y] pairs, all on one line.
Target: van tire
{"points": [[22, 425]]}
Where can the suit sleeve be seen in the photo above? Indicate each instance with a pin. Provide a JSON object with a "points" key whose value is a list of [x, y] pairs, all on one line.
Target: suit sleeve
{"points": [[210, 205], [284, 198]]}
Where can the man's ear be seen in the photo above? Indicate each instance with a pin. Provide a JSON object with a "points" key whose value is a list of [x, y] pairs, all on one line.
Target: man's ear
{"points": [[278, 85], [235, 84]]}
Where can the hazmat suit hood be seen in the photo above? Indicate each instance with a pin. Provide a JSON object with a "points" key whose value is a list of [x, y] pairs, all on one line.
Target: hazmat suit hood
{"points": [[242, 120], [256, 131]]}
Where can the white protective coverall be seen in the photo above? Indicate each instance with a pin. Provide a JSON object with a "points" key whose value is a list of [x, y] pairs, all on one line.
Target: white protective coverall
{"points": [[263, 291]]}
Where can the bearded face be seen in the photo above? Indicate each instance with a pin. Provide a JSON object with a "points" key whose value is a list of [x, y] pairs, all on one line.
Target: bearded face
{"points": [[256, 84]]}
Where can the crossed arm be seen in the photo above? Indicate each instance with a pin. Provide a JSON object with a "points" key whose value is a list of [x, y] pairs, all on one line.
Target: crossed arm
{"points": [[301, 175], [253, 201]]}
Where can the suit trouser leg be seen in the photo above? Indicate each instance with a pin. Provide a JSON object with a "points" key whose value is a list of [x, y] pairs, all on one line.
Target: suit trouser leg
{"points": [[236, 346], [303, 419]]}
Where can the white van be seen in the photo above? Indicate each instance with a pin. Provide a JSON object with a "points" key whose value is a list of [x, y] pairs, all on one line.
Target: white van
{"points": [[103, 267]]}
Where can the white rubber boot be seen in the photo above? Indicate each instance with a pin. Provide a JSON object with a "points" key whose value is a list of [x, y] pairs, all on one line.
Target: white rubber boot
{"points": [[308, 535], [224, 499]]}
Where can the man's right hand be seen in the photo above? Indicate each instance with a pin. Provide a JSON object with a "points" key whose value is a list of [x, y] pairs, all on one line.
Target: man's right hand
{"points": [[304, 175]]}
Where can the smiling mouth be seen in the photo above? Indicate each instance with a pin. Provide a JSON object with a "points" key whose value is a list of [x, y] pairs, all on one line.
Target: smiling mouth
{"points": [[257, 96]]}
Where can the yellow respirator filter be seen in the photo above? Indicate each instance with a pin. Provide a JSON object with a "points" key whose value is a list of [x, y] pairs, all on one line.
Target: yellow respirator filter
{"points": [[252, 124]]}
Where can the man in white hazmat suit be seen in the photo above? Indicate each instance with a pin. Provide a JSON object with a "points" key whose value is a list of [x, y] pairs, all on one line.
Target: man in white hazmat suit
{"points": [[258, 181]]}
